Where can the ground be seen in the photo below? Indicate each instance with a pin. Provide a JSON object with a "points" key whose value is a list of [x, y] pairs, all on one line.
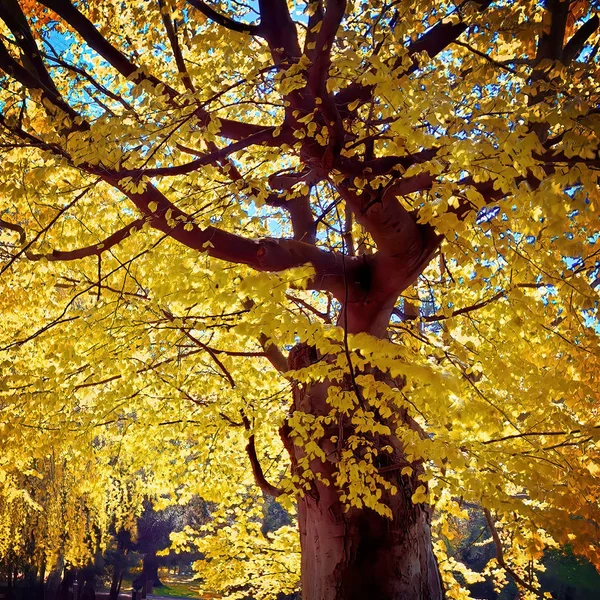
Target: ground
{"points": [[175, 586]]}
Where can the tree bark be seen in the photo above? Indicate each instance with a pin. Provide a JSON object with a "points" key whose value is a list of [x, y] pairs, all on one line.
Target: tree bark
{"points": [[115, 583], [356, 554], [150, 569], [360, 554], [53, 580]]}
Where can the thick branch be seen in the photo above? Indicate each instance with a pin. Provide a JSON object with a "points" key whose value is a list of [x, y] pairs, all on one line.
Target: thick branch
{"points": [[278, 28], [577, 42], [13, 17], [30, 81], [318, 73], [549, 46], [223, 20], [273, 354], [300, 211], [439, 37], [390, 225], [384, 164], [94, 250], [268, 254]]}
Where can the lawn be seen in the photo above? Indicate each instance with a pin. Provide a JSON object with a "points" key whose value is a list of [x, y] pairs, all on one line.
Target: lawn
{"points": [[177, 586]]}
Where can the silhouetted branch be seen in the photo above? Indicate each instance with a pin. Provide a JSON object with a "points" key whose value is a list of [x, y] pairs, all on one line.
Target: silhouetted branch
{"points": [[500, 556], [224, 20]]}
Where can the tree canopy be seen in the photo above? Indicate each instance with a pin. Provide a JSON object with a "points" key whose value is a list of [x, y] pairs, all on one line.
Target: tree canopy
{"points": [[341, 253]]}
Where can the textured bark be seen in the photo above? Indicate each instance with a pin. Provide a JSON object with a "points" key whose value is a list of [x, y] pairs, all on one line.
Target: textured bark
{"points": [[359, 554]]}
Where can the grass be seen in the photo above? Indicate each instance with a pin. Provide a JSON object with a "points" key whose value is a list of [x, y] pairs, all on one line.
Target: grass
{"points": [[181, 586], [176, 586]]}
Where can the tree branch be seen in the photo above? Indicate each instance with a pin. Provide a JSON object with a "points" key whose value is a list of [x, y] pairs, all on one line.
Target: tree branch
{"points": [[278, 28], [13, 17], [500, 556], [300, 211], [16, 228], [208, 349], [273, 354], [257, 471], [175, 47], [384, 164], [468, 309], [223, 20], [209, 158], [433, 41], [537, 434], [268, 254], [94, 250], [318, 74], [439, 37], [577, 42], [19, 73], [309, 307], [390, 225], [89, 77], [86, 29]]}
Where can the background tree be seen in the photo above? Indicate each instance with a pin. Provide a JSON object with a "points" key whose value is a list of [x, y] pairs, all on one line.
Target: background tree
{"points": [[360, 233], [53, 522]]}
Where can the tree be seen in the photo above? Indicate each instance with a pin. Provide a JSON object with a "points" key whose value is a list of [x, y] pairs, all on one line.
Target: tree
{"points": [[153, 531], [363, 234], [53, 521]]}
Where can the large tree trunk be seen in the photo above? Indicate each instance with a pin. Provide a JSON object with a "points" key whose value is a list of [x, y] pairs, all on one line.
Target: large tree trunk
{"points": [[358, 554]]}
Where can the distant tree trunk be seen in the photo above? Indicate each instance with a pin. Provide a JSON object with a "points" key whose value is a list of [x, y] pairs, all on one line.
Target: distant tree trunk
{"points": [[9, 582], [150, 569], [65, 584], [115, 584], [88, 591], [53, 581], [41, 584], [359, 554]]}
